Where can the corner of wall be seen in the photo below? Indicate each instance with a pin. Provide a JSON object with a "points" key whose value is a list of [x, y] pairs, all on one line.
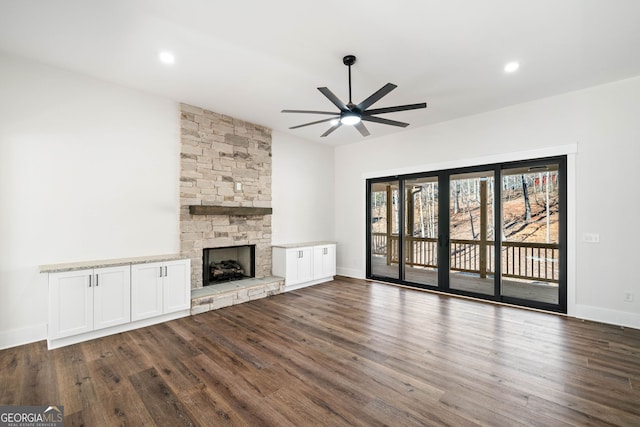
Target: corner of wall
{"points": [[16, 337]]}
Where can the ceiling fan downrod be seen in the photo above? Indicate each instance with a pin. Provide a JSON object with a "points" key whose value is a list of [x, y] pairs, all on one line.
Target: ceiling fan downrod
{"points": [[349, 60]]}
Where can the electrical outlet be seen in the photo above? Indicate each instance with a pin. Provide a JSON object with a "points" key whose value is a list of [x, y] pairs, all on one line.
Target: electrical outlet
{"points": [[591, 238], [238, 186], [628, 296]]}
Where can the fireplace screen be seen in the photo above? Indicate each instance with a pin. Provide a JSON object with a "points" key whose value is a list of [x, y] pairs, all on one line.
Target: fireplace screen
{"points": [[229, 263]]}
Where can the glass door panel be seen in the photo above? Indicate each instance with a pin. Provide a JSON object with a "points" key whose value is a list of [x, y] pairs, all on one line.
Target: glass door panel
{"points": [[471, 232], [530, 248], [384, 212], [421, 231]]}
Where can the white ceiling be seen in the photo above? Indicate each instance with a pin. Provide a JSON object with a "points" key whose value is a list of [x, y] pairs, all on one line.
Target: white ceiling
{"points": [[250, 59]]}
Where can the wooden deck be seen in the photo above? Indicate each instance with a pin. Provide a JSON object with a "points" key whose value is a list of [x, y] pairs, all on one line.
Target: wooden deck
{"points": [[470, 283], [344, 353]]}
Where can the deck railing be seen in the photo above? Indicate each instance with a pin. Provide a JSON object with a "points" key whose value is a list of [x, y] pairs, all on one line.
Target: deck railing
{"points": [[520, 260]]}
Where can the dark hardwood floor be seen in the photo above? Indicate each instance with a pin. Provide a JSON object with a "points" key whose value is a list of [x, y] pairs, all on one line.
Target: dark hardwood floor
{"points": [[344, 353]]}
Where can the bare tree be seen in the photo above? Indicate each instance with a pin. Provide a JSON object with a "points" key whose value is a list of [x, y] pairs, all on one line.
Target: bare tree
{"points": [[527, 203], [456, 195]]}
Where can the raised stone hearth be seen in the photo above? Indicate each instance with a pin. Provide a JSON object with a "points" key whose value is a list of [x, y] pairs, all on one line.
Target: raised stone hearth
{"points": [[231, 293], [225, 200]]}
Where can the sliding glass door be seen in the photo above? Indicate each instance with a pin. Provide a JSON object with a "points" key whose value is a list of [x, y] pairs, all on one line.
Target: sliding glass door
{"points": [[384, 223], [471, 232], [532, 224], [496, 232], [421, 230]]}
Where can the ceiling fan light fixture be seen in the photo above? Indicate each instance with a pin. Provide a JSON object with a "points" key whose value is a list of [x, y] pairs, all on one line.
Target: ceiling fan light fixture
{"points": [[350, 119]]}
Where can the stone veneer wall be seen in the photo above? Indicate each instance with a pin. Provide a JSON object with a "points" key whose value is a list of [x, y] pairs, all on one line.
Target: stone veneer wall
{"points": [[217, 152]]}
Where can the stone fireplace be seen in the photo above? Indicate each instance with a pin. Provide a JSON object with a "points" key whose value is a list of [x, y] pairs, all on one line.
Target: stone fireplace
{"points": [[225, 188]]}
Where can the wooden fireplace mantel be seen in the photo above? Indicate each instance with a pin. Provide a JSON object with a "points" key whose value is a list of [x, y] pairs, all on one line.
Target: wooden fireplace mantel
{"points": [[228, 210]]}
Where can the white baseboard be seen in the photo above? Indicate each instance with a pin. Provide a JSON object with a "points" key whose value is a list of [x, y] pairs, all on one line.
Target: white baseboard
{"points": [[22, 336], [604, 315], [350, 272]]}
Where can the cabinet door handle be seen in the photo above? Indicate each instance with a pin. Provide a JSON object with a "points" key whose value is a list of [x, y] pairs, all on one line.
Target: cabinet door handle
{"points": [[160, 271], [96, 279], [165, 271], [90, 276]]}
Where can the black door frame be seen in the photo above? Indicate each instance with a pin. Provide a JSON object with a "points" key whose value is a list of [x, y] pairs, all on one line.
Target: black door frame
{"points": [[443, 230]]}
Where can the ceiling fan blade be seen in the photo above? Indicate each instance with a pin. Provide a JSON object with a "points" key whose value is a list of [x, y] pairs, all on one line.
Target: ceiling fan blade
{"points": [[384, 121], [333, 113], [313, 123], [362, 129], [334, 99], [376, 96], [331, 129], [396, 108]]}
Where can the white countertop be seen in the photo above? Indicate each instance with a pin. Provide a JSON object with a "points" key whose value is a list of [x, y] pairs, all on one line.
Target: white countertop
{"points": [[303, 244], [54, 268]]}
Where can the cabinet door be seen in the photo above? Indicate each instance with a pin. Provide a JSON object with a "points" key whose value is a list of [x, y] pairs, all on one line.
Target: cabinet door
{"points": [[177, 285], [146, 290], [299, 265], [329, 261], [324, 259], [70, 303], [291, 274], [305, 265], [111, 296]]}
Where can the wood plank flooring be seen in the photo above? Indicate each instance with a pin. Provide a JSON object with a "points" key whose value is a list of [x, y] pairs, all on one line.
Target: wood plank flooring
{"points": [[343, 353]]}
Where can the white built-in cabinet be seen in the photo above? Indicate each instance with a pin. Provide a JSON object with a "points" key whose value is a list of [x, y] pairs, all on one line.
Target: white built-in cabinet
{"points": [[304, 264], [92, 302], [159, 288], [86, 300]]}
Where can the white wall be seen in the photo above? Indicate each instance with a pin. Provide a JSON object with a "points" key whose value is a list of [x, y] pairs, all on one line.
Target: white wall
{"points": [[303, 190], [88, 170], [604, 121]]}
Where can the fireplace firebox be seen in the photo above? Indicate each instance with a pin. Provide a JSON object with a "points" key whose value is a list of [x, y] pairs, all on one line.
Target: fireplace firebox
{"points": [[220, 265]]}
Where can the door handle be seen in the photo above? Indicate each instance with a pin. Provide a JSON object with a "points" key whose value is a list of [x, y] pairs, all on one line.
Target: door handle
{"points": [[160, 271], [165, 271], [90, 276], [96, 279]]}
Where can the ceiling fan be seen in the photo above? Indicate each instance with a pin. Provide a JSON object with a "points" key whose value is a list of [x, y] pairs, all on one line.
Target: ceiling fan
{"points": [[352, 114]]}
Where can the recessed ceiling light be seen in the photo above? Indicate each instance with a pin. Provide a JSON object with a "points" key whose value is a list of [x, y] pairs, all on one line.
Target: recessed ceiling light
{"points": [[511, 67], [166, 57]]}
